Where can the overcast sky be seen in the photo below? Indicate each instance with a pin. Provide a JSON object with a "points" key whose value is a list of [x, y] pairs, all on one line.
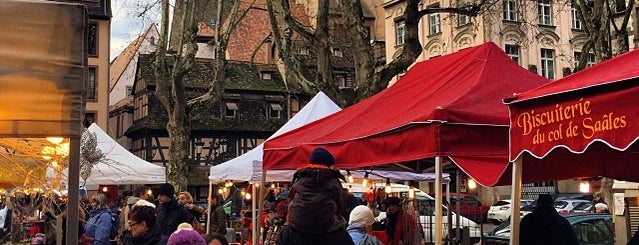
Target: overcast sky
{"points": [[127, 25]]}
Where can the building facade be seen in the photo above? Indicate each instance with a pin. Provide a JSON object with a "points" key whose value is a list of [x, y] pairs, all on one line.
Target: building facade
{"points": [[543, 36], [122, 76], [99, 38]]}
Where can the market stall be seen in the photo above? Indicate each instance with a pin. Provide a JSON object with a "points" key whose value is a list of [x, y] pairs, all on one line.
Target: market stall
{"points": [[580, 126], [446, 108], [117, 165], [42, 81]]}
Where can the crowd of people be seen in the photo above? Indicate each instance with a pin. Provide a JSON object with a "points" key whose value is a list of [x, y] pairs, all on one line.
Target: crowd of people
{"points": [[315, 209]]}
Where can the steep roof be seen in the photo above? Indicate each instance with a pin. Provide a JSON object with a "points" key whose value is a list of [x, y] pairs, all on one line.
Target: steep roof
{"points": [[122, 61], [240, 75]]}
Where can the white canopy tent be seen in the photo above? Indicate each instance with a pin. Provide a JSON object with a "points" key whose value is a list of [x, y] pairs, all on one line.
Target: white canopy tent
{"points": [[121, 167], [248, 167]]}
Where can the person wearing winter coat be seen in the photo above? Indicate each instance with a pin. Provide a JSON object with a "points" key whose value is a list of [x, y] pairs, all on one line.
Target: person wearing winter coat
{"points": [[316, 199], [545, 226], [186, 199], [142, 228], [98, 227], [170, 213], [360, 224], [401, 226], [218, 216]]}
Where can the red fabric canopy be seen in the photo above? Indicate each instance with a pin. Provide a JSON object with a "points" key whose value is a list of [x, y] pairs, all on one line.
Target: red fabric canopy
{"points": [[447, 106], [590, 113]]}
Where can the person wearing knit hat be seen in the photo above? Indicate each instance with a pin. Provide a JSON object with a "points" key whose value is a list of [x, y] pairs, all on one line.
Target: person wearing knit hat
{"points": [[360, 223], [322, 156], [316, 200], [185, 235], [170, 212]]}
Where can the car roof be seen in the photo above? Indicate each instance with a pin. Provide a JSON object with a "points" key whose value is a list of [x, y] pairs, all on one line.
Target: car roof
{"points": [[574, 217]]}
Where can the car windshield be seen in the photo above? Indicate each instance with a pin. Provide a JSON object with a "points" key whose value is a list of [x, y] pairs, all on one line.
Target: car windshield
{"points": [[501, 203], [561, 204], [583, 206]]}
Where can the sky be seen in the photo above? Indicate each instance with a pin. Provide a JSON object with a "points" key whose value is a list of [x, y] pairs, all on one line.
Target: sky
{"points": [[127, 24]]}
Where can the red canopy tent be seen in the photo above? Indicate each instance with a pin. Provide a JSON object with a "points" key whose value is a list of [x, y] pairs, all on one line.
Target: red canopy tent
{"points": [[447, 106], [583, 125]]}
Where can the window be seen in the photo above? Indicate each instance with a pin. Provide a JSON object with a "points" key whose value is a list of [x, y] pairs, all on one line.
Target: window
{"points": [[152, 40], [231, 110], [510, 10], [89, 118], [513, 52], [545, 12], [434, 24], [93, 39], [275, 110], [343, 80], [266, 75], [548, 63], [140, 107], [576, 23], [400, 32], [462, 19], [91, 93], [590, 62], [337, 52], [129, 90]]}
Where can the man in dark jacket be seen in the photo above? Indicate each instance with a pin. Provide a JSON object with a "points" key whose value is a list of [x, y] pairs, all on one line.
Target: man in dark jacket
{"points": [[218, 216], [170, 213], [316, 199], [545, 226]]}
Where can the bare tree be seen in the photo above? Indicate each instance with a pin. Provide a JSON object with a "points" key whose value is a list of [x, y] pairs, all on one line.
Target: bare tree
{"points": [[597, 17], [170, 69], [368, 78]]}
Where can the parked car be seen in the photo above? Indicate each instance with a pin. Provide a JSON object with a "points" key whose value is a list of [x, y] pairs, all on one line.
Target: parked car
{"points": [[500, 210], [425, 205], [590, 229], [470, 207], [565, 206]]}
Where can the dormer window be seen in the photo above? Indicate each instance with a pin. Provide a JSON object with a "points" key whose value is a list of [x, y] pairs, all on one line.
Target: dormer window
{"points": [[267, 75], [275, 110], [338, 52], [304, 51], [231, 109]]}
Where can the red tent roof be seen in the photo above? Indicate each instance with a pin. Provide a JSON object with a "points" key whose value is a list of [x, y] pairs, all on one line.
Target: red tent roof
{"points": [[581, 125], [447, 106]]}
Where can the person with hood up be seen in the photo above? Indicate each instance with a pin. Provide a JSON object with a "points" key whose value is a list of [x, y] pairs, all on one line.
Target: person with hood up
{"points": [[170, 213], [316, 198], [360, 224], [185, 235], [143, 228], [545, 226]]}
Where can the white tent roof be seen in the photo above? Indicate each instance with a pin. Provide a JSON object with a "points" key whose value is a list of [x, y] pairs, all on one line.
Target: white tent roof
{"points": [[248, 166], [123, 167]]}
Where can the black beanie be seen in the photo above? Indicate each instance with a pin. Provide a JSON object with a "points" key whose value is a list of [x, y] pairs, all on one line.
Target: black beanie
{"points": [[167, 190], [322, 156]]}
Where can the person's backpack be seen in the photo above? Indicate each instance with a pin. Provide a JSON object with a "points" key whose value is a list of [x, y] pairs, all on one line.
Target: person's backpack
{"points": [[115, 224]]}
